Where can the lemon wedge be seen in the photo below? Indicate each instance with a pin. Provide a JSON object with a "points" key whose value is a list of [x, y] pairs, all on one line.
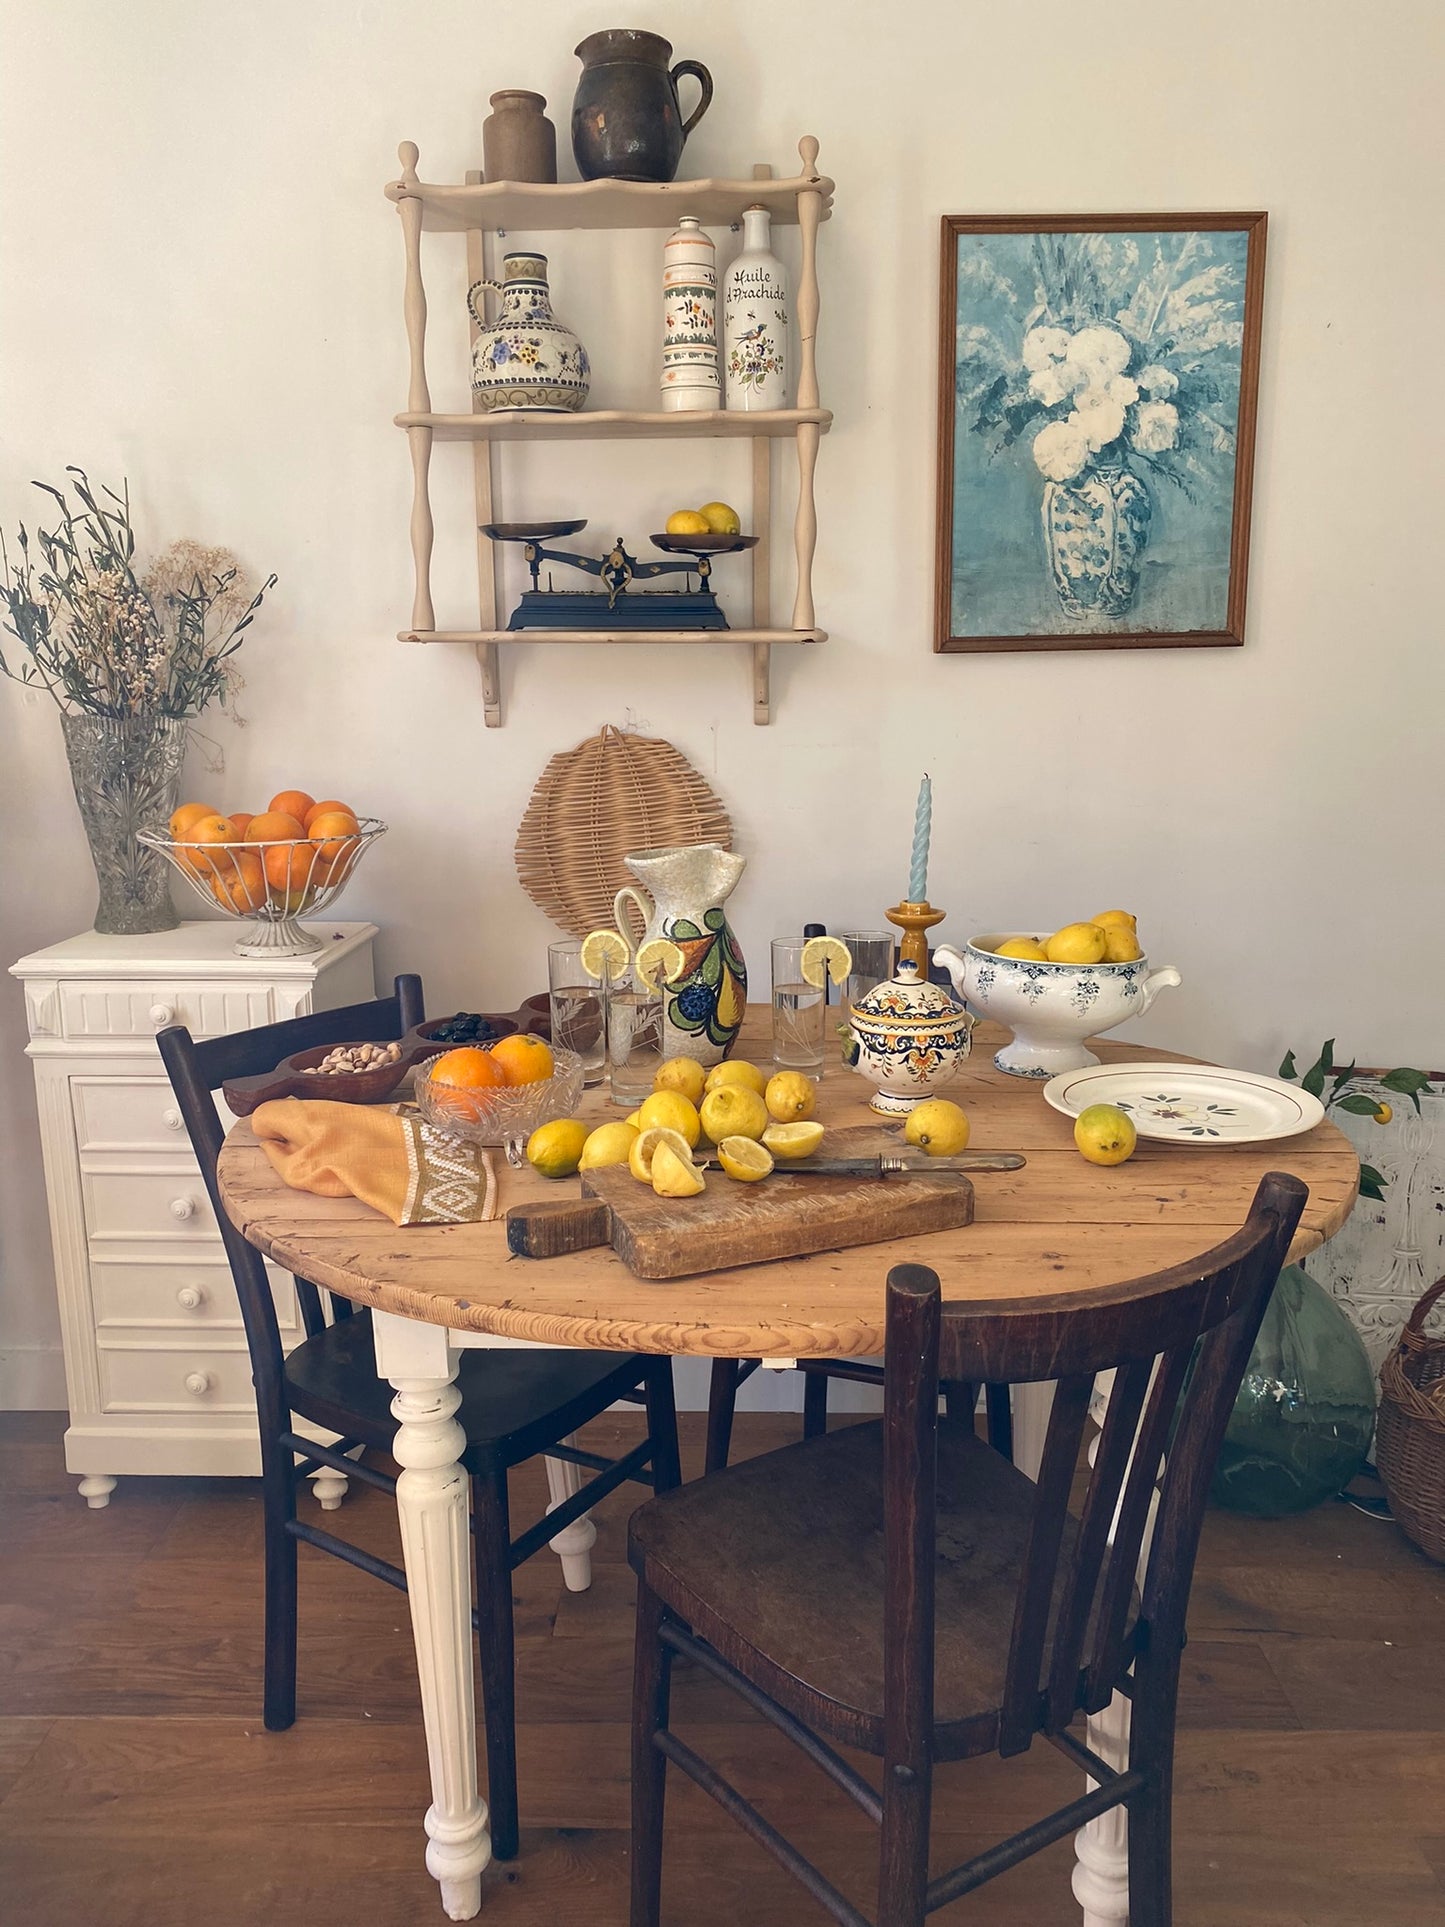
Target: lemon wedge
{"points": [[674, 1176], [745, 1159], [789, 1141], [605, 955], [825, 957], [640, 1156], [660, 961]]}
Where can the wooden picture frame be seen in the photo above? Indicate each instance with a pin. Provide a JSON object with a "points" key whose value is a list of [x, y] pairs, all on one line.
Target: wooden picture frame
{"points": [[1097, 387]]}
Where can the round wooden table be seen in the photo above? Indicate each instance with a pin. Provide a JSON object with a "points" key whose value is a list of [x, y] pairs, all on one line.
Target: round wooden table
{"points": [[1058, 1225]]}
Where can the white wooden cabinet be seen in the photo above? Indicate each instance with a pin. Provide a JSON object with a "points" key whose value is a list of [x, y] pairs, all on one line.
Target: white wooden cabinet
{"points": [[158, 1376]]}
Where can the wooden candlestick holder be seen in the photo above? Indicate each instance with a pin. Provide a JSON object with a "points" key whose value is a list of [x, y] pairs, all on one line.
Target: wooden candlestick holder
{"points": [[913, 919]]}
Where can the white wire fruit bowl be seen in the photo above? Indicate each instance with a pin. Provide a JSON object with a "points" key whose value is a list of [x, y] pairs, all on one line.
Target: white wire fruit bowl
{"points": [[503, 1114], [271, 883]]}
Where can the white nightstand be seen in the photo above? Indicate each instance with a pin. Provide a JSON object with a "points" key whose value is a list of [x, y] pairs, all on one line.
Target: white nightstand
{"points": [[156, 1365]]}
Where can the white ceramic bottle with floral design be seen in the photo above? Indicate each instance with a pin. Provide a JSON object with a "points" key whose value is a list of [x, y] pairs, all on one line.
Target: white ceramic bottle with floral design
{"points": [[755, 320], [689, 319]]}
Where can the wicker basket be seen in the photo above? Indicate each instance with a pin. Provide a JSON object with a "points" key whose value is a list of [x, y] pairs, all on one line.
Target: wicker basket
{"points": [[593, 804], [1410, 1430]]}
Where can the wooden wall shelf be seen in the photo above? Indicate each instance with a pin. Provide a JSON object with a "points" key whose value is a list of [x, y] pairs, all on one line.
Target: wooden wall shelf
{"points": [[480, 209]]}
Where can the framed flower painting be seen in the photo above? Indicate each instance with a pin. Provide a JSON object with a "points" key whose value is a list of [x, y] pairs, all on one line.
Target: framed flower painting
{"points": [[1097, 384]]}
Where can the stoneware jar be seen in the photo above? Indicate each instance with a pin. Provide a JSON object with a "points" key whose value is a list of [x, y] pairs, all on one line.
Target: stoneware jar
{"points": [[689, 319], [627, 124], [755, 320], [519, 143], [703, 1007], [910, 1039], [526, 359]]}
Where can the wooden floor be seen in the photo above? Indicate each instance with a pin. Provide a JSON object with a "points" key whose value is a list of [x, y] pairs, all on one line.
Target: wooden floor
{"points": [[139, 1789]]}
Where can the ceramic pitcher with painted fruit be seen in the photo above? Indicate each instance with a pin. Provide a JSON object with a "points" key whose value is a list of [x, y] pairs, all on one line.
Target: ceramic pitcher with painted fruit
{"points": [[684, 890]]}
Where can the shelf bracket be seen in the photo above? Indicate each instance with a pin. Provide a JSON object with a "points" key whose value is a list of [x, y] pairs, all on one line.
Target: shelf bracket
{"points": [[488, 597]]}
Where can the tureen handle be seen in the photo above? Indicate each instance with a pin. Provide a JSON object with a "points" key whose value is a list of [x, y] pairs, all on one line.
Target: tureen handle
{"points": [[1165, 978]]}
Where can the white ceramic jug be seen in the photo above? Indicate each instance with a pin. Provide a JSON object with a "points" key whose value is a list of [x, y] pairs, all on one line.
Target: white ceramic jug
{"points": [[703, 1009]]}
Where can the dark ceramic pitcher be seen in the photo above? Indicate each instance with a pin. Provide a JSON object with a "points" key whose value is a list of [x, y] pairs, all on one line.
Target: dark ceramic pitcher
{"points": [[627, 124]]}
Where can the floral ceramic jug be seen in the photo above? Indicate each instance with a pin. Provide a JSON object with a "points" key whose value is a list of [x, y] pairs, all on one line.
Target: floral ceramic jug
{"points": [[909, 1038], [703, 1009], [526, 359]]}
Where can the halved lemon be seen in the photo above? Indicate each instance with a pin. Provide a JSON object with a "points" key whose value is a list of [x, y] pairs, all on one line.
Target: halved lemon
{"points": [[660, 961], [639, 1158], [674, 1176], [825, 957], [605, 954], [789, 1141], [745, 1159]]}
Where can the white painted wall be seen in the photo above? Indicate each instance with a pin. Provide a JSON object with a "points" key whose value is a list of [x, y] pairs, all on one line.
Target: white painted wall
{"points": [[200, 289]]}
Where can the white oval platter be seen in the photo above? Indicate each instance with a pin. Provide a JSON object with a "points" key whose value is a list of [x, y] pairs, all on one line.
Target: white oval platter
{"points": [[1190, 1103]]}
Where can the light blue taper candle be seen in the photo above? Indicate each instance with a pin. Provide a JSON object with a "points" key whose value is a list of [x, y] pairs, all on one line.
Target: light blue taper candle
{"points": [[922, 824]]}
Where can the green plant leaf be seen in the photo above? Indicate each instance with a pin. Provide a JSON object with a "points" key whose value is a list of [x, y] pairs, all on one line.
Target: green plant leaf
{"points": [[1313, 1080], [1343, 1077], [1358, 1104], [1327, 1056], [1287, 1068], [1372, 1185], [1407, 1082]]}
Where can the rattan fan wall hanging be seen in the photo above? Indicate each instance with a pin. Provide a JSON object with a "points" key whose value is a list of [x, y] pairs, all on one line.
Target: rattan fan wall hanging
{"points": [[592, 804]]}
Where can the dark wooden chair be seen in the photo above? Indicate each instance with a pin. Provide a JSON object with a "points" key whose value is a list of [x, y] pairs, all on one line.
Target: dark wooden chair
{"points": [[516, 1403], [899, 1587]]}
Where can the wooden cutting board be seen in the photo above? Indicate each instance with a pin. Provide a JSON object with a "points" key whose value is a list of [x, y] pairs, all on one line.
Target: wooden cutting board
{"points": [[742, 1224]]}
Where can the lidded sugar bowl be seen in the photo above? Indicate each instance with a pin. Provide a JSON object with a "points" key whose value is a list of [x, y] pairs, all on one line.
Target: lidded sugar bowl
{"points": [[910, 1038]]}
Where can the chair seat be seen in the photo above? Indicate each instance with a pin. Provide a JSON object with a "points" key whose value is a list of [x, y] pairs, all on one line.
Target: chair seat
{"points": [[515, 1401], [778, 1564]]}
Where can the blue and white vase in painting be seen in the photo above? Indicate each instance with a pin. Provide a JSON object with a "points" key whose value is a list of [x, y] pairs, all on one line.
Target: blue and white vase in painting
{"points": [[1095, 530]]}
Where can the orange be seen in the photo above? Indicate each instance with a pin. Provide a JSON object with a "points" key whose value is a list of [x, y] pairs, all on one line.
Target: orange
{"points": [[288, 866], [468, 1068], [293, 802], [187, 814], [273, 826], [335, 831], [242, 884], [208, 829], [321, 809], [243, 820], [522, 1059]]}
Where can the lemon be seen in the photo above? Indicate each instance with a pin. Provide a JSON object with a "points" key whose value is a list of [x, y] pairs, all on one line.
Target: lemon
{"points": [[687, 522], [1076, 943], [825, 957], [674, 1176], [745, 1159], [737, 1070], [732, 1110], [555, 1149], [720, 518], [605, 953], [1121, 945], [634, 1118], [660, 961], [1028, 948], [1383, 1113], [639, 1158], [684, 1075], [790, 1141], [937, 1127], [673, 1112], [608, 1144], [1104, 1134], [790, 1096], [1117, 919]]}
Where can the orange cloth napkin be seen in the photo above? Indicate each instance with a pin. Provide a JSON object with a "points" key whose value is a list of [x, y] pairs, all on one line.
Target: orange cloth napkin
{"points": [[401, 1166]]}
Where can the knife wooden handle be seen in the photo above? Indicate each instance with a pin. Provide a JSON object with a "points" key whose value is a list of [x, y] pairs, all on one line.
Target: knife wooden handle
{"points": [[553, 1230]]}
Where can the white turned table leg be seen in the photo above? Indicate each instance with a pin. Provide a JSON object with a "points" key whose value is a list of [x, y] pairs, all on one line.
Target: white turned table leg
{"points": [[1101, 1848], [1031, 1407], [330, 1487], [96, 1488], [433, 1505], [573, 1544]]}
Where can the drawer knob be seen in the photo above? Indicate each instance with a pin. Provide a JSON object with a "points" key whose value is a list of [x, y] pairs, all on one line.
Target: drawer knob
{"points": [[163, 1014], [190, 1297], [183, 1207], [171, 1118], [198, 1383]]}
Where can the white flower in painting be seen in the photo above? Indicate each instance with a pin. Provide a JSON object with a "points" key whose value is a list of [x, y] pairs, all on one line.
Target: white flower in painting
{"points": [[1122, 390], [1043, 345], [1061, 450], [1098, 417], [1155, 380], [1098, 353], [1156, 427], [1051, 384]]}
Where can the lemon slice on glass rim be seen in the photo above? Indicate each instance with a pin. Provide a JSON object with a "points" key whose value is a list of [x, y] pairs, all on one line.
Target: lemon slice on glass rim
{"points": [[660, 961], [606, 955], [825, 957]]}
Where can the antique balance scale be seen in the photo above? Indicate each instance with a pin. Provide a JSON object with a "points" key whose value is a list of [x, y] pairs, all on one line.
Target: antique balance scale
{"points": [[617, 604]]}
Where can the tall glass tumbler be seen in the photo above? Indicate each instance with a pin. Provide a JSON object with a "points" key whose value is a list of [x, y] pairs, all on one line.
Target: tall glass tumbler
{"points": [[634, 1041], [576, 1005], [799, 1011], [872, 954]]}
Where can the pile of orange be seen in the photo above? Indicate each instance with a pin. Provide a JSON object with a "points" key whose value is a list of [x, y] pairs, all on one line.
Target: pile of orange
{"points": [[518, 1059], [285, 854]]}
